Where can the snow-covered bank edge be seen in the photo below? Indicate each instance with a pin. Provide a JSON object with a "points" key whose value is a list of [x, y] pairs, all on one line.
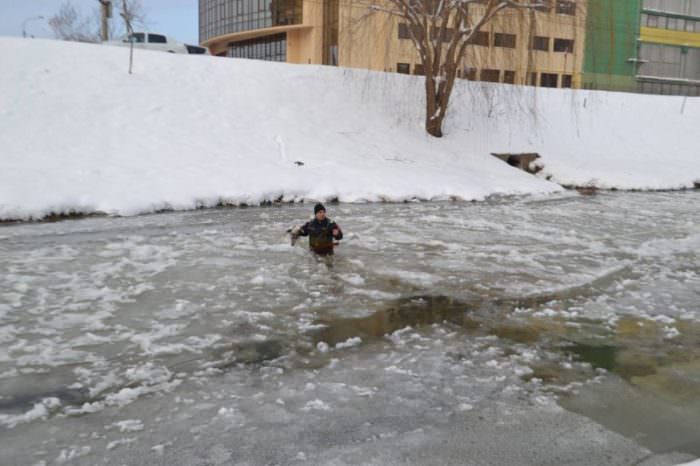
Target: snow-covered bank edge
{"points": [[53, 217], [588, 189], [78, 214], [593, 187], [280, 202]]}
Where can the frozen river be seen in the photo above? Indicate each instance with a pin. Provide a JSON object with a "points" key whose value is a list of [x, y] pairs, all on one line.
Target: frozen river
{"points": [[535, 331]]}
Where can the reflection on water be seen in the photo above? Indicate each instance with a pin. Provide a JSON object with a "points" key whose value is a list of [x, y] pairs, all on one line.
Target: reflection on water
{"points": [[409, 312], [418, 311], [647, 361]]}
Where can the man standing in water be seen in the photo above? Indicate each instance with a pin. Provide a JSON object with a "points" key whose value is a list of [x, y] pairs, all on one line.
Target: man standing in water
{"points": [[323, 232]]}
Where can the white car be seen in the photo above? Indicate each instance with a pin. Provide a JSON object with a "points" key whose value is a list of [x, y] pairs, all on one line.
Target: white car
{"points": [[151, 41]]}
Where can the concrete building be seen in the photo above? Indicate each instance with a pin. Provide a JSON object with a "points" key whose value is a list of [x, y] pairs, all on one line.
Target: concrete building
{"points": [[650, 46], [542, 47], [294, 31]]}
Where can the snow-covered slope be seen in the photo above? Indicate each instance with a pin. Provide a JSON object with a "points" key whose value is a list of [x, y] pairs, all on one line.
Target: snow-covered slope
{"points": [[77, 133]]}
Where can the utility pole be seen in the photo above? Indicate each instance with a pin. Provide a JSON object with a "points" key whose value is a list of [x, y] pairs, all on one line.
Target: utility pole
{"points": [[105, 15]]}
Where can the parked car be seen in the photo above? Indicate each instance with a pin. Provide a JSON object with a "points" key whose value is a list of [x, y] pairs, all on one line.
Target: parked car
{"points": [[197, 50], [152, 41]]}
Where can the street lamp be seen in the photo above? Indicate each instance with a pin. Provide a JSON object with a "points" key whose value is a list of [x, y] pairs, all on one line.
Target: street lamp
{"points": [[24, 24]]}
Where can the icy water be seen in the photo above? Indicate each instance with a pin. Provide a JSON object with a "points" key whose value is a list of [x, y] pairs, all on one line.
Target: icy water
{"points": [[119, 335]]}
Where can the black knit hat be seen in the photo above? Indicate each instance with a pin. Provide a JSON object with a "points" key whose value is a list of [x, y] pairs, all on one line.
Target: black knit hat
{"points": [[318, 207]]}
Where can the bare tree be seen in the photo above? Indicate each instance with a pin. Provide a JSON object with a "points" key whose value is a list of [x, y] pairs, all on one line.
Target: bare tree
{"points": [[68, 24], [128, 18], [116, 27], [441, 31], [133, 12]]}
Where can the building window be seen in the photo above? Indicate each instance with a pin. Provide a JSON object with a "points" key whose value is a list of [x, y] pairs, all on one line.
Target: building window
{"points": [[540, 43], [549, 80], [509, 77], [270, 48], [447, 34], [504, 40], [658, 20], [219, 17], [652, 21], [331, 31], [405, 32], [668, 61], [566, 81], [284, 12], [492, 76], [418, 70], [469, 73], [564, 45], [403, 68], [480, 38], [566, 7], [680, 7]]}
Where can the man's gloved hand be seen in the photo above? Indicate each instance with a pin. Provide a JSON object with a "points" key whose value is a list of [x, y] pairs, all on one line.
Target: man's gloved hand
{"points": [[294, 232]]}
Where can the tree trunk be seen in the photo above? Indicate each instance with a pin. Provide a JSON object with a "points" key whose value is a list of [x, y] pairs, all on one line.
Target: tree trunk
{"points": [[433, 113], [437, 100], [434, 125]]}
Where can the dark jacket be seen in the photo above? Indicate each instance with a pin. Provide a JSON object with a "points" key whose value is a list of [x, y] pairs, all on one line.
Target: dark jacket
{"points": [[321, 235]]}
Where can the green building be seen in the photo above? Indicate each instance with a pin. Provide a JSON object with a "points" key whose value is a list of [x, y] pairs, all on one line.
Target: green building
{"points": [[648, 46]]}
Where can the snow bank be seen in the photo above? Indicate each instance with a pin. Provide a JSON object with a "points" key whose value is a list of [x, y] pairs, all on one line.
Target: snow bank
{"points": [[78, 134], [591, 138]]}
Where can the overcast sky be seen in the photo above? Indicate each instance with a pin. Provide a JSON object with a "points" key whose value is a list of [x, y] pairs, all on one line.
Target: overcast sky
{"points": [[175, 18]]}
